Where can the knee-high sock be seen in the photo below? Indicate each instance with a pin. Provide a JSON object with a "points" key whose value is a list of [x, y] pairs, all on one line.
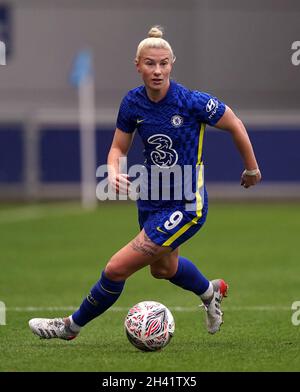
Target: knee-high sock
{"points": [[189, 277], [102, 296]]}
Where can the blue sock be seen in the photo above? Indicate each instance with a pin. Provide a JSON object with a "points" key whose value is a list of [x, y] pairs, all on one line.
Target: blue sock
{"points": [[189, 277], [102, 296]]}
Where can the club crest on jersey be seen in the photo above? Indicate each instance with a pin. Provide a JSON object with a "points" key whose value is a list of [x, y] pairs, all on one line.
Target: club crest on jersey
{"points": [[176, 121]]}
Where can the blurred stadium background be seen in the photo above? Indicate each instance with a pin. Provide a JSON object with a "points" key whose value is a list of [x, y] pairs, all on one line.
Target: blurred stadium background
{"points": [[239, 51]]}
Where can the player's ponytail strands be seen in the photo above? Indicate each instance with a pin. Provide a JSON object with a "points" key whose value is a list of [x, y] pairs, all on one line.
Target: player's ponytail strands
{"points": [[102, 296], [154, 40]]}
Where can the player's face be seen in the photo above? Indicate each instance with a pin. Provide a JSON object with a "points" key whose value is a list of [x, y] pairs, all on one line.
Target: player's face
{"points": [[155, 66]]}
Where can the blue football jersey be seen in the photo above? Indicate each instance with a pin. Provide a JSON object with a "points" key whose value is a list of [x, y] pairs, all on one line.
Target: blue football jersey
{"points": [[172, 132]]}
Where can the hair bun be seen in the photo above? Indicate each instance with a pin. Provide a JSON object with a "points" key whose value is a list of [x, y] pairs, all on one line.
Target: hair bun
{"points": [[155, 32]]}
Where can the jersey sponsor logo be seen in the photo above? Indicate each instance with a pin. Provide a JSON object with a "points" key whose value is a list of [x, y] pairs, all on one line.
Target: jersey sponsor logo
{"points": [[176, 121], [163, 155], [212, 107], [211, 104], [138, 121]]}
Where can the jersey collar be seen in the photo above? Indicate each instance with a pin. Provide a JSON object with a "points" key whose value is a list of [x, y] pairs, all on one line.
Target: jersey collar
{"points": [[166, 98]]}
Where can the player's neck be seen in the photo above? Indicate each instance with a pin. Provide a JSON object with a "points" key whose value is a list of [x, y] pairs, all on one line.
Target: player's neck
{"points": [[157, 95]]}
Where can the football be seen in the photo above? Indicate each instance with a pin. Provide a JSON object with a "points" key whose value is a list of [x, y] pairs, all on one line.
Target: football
{"points": [[149, 325]]}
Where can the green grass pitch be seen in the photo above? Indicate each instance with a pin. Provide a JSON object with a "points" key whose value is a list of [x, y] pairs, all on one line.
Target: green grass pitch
{"points": [[52, 254]]}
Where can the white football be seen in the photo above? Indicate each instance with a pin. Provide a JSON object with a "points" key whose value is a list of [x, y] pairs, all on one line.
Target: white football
{"points": [[149, 325]]}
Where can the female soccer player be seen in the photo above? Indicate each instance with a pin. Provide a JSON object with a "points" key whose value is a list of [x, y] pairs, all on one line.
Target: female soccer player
{"points": [[170, 119]]}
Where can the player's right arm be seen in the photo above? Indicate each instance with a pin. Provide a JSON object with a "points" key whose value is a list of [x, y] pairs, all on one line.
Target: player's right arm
{"points": [[119, 149]]}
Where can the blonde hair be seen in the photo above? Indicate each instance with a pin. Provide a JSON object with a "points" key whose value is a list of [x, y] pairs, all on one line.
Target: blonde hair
{"points": [[154, 40]]}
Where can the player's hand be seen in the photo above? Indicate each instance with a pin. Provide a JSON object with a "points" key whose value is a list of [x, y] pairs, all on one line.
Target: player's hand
{"points": [[250, 180], [119, 183]]}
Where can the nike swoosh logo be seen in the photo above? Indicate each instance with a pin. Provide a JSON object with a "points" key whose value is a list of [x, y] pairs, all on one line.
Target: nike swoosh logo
{"points": [[159, 229], [139, 121]]}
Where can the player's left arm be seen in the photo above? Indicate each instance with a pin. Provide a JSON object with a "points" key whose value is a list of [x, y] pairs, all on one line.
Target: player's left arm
{"points": [[230, 122]]}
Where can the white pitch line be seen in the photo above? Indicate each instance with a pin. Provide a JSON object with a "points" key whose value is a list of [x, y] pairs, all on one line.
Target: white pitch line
{"points": [[20, 214], [36, 212], [123, 309]]}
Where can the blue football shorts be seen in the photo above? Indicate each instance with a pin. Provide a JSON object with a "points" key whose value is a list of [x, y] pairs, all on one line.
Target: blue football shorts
{"points": [[171, 226]]}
